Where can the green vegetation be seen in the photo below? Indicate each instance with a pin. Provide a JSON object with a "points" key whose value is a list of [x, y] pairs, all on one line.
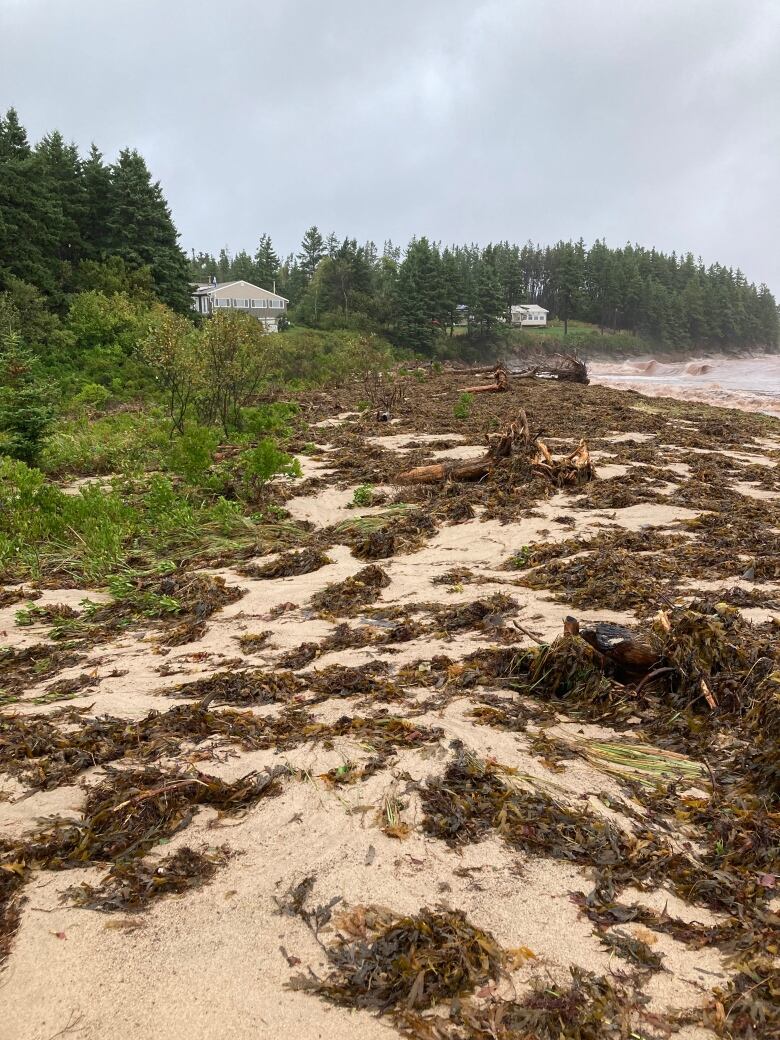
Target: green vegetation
{"points": [[462, 409], [454, 300]]}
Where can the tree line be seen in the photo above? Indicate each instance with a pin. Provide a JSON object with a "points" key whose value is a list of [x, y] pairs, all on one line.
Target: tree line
{"points": [[73, 225], [427, 290], [70, 223]]}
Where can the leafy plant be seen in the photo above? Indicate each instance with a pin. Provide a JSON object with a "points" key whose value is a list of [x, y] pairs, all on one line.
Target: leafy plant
{"points": [[363, 496], [462, 409], [261, 464], [26, 409], [193, 452]]}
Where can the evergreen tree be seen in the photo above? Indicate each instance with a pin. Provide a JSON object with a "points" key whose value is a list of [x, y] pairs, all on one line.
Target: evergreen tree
{"points": [[30, 214], [63, 176], [421, 306], [97, 205], [142, 232], [266, 263], [312, 251]]}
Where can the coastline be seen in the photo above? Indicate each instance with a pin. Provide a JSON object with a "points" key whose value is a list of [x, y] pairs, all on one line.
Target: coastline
{"points": [[221, 960]]}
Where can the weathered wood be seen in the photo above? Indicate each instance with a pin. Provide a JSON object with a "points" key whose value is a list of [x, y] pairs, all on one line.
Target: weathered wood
{"points": [[500, 384], [500, 446]]}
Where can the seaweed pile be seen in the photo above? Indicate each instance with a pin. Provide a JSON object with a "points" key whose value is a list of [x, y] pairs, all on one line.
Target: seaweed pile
{"points": [[289, 564], [346, 597]]}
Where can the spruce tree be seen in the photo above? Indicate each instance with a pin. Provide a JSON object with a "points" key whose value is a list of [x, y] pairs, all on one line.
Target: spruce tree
{"points": [[142, 232], [30, 213], [266, 263], [97, 205], [62, 172], [312, 251]]}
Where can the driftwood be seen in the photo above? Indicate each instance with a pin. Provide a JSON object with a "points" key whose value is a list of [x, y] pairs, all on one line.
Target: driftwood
{"points": [[575, 468], [384, 393], [500, 446], [567, 368], [499, 385]]}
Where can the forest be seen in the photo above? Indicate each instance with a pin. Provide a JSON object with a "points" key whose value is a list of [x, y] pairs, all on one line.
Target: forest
{"points": [[422, 294]]}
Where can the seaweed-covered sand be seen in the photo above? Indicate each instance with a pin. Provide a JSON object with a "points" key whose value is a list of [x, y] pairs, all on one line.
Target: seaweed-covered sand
{"points": [[365, 786]]}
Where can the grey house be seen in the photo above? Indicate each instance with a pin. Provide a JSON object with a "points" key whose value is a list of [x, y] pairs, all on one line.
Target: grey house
{"points": [[266, 306]]}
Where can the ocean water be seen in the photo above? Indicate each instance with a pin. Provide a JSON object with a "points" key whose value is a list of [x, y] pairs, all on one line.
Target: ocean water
{"points": [[752, 384]]}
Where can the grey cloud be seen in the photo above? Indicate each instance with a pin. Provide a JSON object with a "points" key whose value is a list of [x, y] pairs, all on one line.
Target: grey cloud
{"points": [[654, 123]]}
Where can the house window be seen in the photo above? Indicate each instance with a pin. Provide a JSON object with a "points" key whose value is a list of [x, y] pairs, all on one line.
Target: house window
{"points": [[246, 305], [263, 303]]}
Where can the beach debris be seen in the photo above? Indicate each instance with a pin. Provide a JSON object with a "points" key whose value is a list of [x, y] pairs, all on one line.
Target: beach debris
{"points": [[348, 596], [631, 653], [499, 385], [131, 810], [571, 470], [131, 885], [388, 963], [500, 446], [288, 564]]}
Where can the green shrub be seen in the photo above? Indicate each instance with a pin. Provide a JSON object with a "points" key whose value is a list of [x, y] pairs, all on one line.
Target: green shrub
{"points": [[260, 464], [26, 411], [269, 418], [462, 409], [122, 442], [191, 454], [91, 396], [95, 533], [363, 496]]}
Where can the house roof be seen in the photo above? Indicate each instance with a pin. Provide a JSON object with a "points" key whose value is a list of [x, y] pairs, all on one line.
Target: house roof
{"points": [[528, 307], [204, 289]]}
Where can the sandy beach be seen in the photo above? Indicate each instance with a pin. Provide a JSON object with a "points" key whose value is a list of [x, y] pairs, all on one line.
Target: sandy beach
{"points": [[464, 563]]}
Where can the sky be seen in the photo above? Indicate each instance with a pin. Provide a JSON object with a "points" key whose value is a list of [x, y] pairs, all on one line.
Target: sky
{"points": [[650, 121]]}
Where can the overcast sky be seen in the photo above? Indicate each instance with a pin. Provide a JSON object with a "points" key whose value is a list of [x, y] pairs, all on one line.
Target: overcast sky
{"points": [[644, 120]]}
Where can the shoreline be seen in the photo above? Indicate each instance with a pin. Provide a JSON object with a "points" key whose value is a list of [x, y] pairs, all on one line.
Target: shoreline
{"points": [[457, 564]]}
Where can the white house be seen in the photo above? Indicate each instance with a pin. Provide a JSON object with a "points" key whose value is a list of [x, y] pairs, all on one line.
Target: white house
{"points": [[266, 306], [529, 314]]}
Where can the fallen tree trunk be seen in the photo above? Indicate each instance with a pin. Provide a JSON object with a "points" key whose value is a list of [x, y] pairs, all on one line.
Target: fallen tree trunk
{"points": [[500, 384], [572, 469], [500, 446]]}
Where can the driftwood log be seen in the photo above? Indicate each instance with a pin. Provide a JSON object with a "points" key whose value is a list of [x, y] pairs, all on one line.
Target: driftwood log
{"points": [[500, 446], [567, 368], [499, 385], [572, 469]]}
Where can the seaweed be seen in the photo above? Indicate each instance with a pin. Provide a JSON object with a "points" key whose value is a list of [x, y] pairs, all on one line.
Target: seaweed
{"points": [[299, 656], [240, 687], [254, 641], [131, 810], [386, 963], [131, 885], [348, 596], [632, 949], [288, 564], [348, 681]]}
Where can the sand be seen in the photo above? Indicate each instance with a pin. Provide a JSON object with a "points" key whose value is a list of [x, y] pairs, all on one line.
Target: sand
{"points": [[211, 964]]}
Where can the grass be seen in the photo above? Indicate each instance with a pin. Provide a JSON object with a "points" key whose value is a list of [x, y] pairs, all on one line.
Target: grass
{"points": [[98, 531]]}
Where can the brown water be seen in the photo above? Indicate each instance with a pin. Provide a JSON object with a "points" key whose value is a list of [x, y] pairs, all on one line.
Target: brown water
{"points": [[751, 384]]}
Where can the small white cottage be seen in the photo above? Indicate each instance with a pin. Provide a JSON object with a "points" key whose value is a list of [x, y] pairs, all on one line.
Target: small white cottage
{"points": [[529, 314]]}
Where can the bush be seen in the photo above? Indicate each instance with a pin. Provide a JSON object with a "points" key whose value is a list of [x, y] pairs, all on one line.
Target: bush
{"points": [[122, 442], [193, 453], [91, 535], [269, 418], [462, 409], [260, 464], [363, 496], [26, 411]]}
